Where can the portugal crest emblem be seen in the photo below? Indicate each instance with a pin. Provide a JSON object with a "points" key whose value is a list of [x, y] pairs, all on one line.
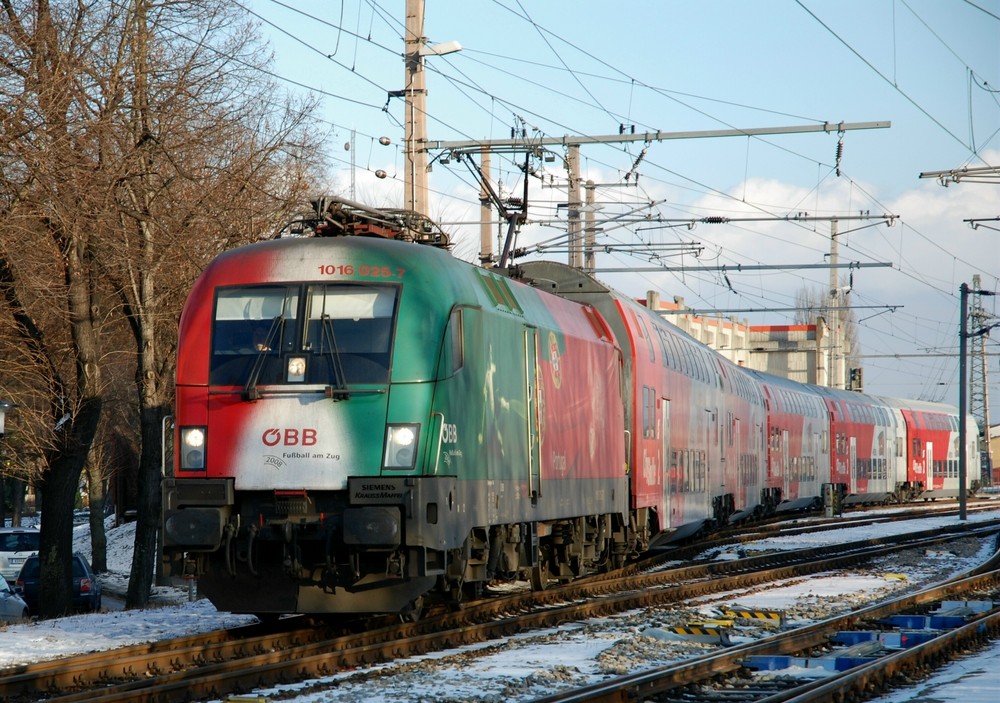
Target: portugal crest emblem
{"points": [[554, 360]]}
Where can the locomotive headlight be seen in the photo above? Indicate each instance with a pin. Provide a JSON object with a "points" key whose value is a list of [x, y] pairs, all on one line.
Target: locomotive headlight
{"points": [[296, 369], [400, 446], [192, 448]]}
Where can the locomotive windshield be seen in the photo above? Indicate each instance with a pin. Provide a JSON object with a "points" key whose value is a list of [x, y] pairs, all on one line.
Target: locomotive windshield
{"points": [[329, 334]]}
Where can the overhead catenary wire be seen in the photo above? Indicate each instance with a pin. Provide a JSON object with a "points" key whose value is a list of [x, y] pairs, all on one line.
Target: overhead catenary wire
{"points": [[653, 173]]}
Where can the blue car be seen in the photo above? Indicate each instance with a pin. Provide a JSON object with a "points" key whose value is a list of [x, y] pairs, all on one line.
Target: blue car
{"points": [[86, 586]]}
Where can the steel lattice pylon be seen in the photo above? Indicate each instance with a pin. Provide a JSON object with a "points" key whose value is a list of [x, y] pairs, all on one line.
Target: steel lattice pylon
{"points": [[979, 406]]}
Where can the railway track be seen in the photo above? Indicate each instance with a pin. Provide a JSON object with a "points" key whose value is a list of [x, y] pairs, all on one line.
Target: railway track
{"points": [[734, 537], [243, 660], [876, 655]]}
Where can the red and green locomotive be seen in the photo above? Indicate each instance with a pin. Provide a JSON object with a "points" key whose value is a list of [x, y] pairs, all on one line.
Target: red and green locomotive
{"points": [[361, 422]]}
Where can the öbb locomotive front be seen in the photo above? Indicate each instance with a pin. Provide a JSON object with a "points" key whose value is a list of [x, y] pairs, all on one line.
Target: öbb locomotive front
{"points": [[361, 422]]}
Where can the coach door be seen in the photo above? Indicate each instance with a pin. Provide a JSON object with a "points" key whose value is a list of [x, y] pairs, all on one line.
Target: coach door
{"points": [[930, 476], [852, 464], [786, 473], [718, 447], [669, 469], [531, 414]]}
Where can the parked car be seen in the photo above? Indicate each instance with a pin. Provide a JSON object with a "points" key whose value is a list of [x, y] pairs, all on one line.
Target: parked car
{"points": [[12, 606], [86, 586], [16, 545]]}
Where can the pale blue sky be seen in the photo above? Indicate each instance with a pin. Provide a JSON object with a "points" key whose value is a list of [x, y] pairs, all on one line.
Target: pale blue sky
{"points": [[928, 66]]}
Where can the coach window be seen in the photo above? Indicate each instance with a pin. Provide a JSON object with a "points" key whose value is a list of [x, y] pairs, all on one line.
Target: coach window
{"points": [[648, 412], [677, 355], [703, 367], [644, 331], [645, 411], [664, 354]]}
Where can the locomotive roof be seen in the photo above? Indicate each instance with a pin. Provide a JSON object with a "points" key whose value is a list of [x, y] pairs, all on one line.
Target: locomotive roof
{"points": [[557, 278]]}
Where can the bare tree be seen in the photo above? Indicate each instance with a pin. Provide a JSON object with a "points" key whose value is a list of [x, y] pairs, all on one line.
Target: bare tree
{"points": [[143, 142], [210, 168], [51, 204]]}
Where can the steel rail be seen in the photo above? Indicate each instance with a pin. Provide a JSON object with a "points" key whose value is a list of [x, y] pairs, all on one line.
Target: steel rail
{"points": [[645, 684], [158, 680]]}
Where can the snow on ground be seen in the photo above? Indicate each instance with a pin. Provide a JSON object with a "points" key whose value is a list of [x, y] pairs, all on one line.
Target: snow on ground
{"points": [[171, 615], [971, 679], [527, 666]]}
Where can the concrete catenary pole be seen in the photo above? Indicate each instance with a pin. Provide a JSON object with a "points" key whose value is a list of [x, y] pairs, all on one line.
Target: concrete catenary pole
{"points": [[485, 212], [415, 131]]}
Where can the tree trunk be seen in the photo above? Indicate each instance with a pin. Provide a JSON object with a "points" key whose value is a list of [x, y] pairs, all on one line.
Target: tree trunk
{"points": [[145, 556], [60, 484], [59, 487], [98, 499], [17, 501], [151, 405]]}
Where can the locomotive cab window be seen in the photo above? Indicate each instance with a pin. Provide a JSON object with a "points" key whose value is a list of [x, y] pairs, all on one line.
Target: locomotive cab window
{"points": [[252, 324], [316, 334], [350, 327], [249, 319]]}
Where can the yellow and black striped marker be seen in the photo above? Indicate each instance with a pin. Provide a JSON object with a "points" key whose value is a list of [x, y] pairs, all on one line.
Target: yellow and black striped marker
{"points": [[768, 618], [696, 633]]}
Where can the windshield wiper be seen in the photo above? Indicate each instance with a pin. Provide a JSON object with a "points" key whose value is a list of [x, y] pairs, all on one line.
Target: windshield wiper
{"points": [[339, 383], [250, 391]]}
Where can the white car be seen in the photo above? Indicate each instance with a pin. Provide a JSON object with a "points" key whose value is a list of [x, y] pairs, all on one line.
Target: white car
{"points": [[16, 545], [12, 606]]}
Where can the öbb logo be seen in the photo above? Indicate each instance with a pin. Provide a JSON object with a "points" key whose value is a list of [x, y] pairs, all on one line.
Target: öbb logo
{"points": [[289, 437]]}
